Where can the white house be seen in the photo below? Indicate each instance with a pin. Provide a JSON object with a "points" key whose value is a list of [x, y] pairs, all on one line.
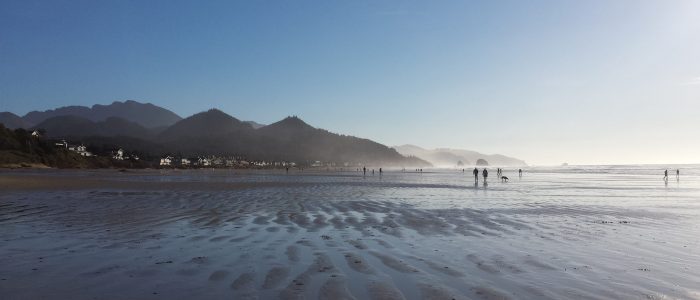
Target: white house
{"points": [[217, 161], [185, 162], [36, 133], [203, 161], [119, 155], [230, 162], [166, 161], [82, 150]]}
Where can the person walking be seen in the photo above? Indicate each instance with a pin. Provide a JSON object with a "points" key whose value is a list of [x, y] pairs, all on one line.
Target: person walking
{"points": [[666, 175], [486, 174], [678, 174], [520, 172], [476, 174]]}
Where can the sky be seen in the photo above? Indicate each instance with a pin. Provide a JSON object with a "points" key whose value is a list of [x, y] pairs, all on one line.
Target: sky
{"points": [[582, 82]]}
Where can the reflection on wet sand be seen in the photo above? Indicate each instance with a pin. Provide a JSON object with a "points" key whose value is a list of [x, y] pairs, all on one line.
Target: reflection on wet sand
{"points": [[268, 236]]}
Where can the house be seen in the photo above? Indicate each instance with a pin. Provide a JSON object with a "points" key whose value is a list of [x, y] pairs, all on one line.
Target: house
{"points": [[185, 162], [62, 144], [230, 162], [82, 150], [119, 155], [166, 161], [217, 161], [203, 161], [36, 134]]}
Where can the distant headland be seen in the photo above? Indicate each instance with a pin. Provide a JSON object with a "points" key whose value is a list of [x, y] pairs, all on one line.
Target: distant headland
{"points": [[132, 134]]}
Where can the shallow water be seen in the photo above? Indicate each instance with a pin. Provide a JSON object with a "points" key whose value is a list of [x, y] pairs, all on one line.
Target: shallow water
{"points": [[595, 232]]}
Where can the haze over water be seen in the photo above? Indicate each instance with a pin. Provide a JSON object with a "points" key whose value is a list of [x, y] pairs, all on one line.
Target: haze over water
{"points": [[566, 232]]}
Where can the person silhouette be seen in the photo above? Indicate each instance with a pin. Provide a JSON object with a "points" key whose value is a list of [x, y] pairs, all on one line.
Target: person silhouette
{"points": [[476, 174], [486, 174], [678, 174], [520, 172], [666, 175]]}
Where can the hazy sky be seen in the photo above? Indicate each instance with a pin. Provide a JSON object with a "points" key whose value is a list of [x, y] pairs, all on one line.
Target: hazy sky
{"points": [[545, 81]]}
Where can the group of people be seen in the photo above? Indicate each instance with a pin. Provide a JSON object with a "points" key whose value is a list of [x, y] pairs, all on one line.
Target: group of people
{"points": [[499, 174], [364, 171], [678, 175]]}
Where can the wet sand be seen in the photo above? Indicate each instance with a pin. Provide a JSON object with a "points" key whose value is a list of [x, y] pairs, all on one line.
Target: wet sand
{"points": [[267, 235]]}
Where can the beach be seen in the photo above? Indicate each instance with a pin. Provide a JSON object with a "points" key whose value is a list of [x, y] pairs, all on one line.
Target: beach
{"points": [[617, 232]]}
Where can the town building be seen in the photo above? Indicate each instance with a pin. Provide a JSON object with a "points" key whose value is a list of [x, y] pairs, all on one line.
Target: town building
{"points": [[166, 161], [82, 150], [119, 154]]}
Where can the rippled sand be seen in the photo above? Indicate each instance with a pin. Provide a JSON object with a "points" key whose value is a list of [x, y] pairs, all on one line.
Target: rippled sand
{"points": [[257, 235]]}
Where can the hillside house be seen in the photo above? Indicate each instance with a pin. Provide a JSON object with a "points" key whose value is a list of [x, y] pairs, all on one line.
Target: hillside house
{"points": [[82, 150], [119, 154], [204, 162], [217, 161], [166, 161], [230, 162]]}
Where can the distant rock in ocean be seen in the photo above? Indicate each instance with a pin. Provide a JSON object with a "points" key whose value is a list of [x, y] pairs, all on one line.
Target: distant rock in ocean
{"points": [[446, 157], [482, 162]]}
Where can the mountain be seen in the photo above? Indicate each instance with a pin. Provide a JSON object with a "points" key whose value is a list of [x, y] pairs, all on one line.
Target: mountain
{"points": [[145, 114], [254, 124], [216, 133], [152, 132], [12, 121], [445, 157], [212, 123], [299, 141], [73, 126]]}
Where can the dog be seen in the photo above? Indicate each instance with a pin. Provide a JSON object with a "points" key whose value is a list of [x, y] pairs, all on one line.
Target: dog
{"points": [[504, 178]]}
